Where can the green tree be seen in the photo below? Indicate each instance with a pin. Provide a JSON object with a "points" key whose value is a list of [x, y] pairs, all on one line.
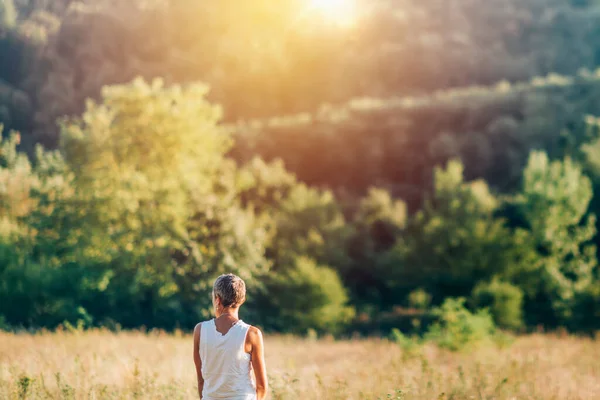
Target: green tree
{"points": [[310, 223], [31, 292], [307, 246], [303, 221], [554, 203], [455, 241], [377, 223], [263, 186], [503, 300]]}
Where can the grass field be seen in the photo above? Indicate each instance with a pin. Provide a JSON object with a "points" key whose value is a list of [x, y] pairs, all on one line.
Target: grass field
{"points": [[103, 365]]}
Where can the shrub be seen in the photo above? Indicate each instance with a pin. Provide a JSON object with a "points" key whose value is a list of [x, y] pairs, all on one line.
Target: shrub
{"points": [[458, 328], [307, 296], [504, 301], [586, 310]]}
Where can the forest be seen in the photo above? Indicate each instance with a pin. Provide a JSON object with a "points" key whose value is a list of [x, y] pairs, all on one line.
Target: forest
{"points": [[356, 175]]}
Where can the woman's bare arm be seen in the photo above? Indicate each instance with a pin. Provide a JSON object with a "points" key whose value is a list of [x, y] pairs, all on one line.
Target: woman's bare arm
{"points": [[197, 359], [258, 362]]}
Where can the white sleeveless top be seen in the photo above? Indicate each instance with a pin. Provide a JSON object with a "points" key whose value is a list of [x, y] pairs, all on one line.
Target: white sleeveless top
{"points": [[226, 366]]}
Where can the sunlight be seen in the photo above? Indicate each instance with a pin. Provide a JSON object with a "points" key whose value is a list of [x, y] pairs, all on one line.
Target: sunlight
{"points": [[341, 11]]}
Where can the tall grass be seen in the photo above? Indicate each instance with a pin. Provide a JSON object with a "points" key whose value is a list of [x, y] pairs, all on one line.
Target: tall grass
{"points": [[138, 365]]}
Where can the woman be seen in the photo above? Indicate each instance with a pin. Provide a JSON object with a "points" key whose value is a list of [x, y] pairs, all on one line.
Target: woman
{"points": [[226, 349]]}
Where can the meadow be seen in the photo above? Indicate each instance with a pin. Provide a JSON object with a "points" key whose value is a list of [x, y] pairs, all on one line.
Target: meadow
{"points": [[154, 365]]}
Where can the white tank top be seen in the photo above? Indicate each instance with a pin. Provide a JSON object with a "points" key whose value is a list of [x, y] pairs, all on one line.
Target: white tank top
{"points": [[226, 366]]}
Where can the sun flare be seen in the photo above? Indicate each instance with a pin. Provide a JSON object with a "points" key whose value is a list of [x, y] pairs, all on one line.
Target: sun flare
{"points": [[341, 11]]}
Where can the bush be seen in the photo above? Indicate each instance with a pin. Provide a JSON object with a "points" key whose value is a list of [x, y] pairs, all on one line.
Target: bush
{"points": [[504, 301], [586, 310], [307, 296], [458, 328]]}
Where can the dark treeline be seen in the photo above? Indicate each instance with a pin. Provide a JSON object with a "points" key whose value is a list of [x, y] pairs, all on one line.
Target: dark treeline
{"points": [[355, 217], [396, 142]]}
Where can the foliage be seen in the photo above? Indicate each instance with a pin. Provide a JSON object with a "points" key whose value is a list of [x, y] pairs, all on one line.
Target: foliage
{"points": [[586, 311], [376, 225], [491, 129], [455, 241], [149, 196], [127, 225], [503, 300], [310, 223], [303, 221], [262, 186], [306, 295], [553, 202], [134, 224], [307, 229], [458, 328]]}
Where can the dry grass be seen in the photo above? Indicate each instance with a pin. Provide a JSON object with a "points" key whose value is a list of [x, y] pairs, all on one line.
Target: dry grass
{"points": [[102, 365]]}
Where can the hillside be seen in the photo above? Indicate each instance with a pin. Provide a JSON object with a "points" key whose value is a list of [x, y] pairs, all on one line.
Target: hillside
{"points": [[396, 142]]}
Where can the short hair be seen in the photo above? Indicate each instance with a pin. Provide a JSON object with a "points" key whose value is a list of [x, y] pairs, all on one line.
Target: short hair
{"points": [[231, 289]]}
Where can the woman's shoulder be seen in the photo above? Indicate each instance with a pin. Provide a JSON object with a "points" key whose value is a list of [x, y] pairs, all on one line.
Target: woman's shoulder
{"points": [[254, 332], [246, 325], [254, 339], [198, 327], [199, 324]]}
